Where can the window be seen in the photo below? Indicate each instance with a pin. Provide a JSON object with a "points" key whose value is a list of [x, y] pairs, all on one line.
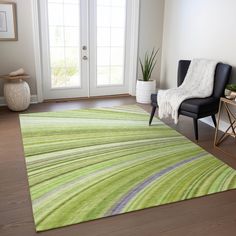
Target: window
{"points": [[111, 25], [64, 38]]}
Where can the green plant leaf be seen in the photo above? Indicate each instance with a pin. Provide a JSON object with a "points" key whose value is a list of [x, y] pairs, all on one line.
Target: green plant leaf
{"points": [[147, 66], [231, 87]]}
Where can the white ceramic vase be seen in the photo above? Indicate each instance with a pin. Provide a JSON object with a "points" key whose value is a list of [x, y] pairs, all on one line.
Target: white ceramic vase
{"points": [[17, 95], [144, 89], [227, 92]]}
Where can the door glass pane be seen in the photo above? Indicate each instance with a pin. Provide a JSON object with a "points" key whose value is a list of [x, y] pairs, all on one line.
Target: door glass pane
{"points": [[64, 38], [111, 18]]}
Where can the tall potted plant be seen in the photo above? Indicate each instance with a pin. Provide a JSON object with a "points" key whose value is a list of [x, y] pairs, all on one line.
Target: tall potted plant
{"points": [[146, 86]]}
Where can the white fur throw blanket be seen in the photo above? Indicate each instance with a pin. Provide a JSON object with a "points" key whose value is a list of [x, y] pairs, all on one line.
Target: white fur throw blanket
{"points": [[198, 83]]}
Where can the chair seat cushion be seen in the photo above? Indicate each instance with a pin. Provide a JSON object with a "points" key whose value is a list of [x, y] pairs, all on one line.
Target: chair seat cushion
{"points": [[200, 105], [195, 105]]}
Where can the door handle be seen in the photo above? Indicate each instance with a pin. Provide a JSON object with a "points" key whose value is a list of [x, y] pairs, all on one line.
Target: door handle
{"points": [[84, 48], [85, 58]]}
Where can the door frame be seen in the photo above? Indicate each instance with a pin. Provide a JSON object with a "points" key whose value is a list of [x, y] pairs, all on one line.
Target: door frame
{"points": [[133, 49]]}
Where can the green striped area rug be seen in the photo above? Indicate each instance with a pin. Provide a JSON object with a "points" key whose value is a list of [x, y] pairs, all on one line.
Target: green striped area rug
{"points": [[88, 164]]}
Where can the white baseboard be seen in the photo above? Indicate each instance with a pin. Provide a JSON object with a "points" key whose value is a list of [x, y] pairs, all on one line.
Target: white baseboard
{"points": [[33, 100], [223, 125]]}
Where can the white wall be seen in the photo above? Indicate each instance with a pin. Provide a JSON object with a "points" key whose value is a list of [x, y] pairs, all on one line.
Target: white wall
{"points": [[14, 55], [151, 31], [197, 29]]}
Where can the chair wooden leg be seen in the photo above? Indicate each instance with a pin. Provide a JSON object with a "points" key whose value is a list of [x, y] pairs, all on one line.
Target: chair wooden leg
{"points": [[195, 123], [152, 114], [214, 120]]}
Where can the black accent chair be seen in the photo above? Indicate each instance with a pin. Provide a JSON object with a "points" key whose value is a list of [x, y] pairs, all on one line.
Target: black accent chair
{"points": [[198, 108]]}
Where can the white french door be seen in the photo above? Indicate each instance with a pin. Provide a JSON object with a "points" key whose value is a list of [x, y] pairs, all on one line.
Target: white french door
{"points": [[85, 47], [64, 27], [108, 38]]}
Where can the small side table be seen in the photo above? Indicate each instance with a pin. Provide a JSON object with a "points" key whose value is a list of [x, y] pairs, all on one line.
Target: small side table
{"points": [[231, 130], [16, 92]]}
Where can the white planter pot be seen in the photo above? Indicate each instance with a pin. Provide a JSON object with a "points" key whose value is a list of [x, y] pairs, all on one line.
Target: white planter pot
{"points": [[144, 89], [227, 92]]}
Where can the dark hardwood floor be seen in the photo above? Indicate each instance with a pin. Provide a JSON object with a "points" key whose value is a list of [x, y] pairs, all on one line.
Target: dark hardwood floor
{"points": [[212, 215]]}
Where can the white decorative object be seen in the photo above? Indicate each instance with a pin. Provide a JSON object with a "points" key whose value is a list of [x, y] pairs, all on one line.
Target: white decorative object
{"points": [[17, 95], [227, 92], [144, 90], [21, 71], [198, 83]]}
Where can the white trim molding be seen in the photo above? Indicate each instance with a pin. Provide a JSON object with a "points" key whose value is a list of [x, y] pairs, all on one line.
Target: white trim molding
{"points": [[37, 49], [134, 46], [33, 100]]}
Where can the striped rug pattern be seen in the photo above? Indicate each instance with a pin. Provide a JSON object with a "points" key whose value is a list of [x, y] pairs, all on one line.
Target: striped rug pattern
{"points": [[92, 163]]}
